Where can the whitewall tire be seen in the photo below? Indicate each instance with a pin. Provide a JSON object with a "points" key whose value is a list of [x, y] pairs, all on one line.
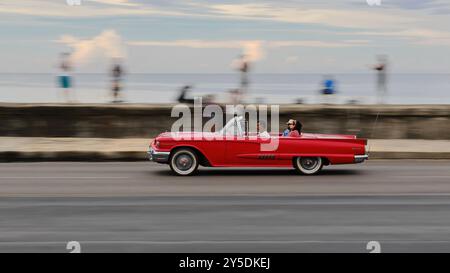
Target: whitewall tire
{"points": [[308, 165], [184, 162]]}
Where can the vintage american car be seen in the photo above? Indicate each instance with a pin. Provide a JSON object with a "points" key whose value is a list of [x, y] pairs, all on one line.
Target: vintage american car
{"points": [[307, 153]]}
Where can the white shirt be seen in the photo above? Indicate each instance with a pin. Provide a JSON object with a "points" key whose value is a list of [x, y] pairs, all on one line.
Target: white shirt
{"points": [[264, 134]]}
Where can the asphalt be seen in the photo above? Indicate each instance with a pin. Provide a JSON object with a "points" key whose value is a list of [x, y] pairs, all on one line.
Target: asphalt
{"points": [[141, 207], [112, 179]]}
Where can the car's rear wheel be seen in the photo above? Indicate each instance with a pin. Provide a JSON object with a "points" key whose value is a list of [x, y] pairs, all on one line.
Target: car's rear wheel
{"points": [[184, 162], [308, 165]]}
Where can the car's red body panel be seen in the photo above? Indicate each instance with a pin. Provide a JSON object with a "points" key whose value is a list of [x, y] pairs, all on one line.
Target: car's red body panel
{"points": [[247, 152]]}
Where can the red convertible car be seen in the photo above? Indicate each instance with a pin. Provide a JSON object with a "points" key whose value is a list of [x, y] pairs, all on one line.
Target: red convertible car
{"points": [[307, 153]]}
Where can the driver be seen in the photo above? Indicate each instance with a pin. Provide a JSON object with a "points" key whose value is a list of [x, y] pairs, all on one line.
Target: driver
{"points": [[261, 127]]}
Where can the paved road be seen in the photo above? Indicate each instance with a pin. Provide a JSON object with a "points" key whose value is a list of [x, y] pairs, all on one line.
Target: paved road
{"points": [[140, 207], [150, 179]]}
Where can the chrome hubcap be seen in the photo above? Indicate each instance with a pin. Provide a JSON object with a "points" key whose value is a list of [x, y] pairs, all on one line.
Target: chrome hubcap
{"points": [[184, 162], [309, 163]]}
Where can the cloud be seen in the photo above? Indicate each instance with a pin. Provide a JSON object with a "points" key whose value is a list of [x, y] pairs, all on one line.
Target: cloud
{"points": [[292, 59], [416, 4], [348, 18], [88, 8], [291, 12], [108, 44], [252, 49], [191, 43], [322, 44], [114, 2], [250, 46], [420, 36], [308, 15]]}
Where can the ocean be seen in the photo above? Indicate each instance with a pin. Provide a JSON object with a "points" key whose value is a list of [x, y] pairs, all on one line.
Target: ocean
{"points": [[264, 88]]}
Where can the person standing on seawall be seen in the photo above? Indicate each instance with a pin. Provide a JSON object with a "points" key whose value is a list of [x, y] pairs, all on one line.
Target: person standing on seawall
{"points": [[381, 69], [117, 73], [65, 80], [243, 66]]}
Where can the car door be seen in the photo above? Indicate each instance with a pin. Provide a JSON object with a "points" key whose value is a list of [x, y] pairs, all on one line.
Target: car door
{"points": [[248, 152]]}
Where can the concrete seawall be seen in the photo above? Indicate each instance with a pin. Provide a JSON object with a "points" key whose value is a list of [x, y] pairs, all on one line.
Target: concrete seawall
{"points": [[146, 121]]}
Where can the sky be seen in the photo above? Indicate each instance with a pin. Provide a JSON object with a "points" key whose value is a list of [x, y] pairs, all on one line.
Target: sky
{"points": [[199, 36]]}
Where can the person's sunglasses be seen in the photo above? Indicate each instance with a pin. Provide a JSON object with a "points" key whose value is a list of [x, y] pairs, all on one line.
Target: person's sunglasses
{"points": [[290, 123]]}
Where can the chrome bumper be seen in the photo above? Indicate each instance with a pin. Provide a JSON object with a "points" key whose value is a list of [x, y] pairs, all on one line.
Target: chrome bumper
{"points": [[361, 158], [160, 157]]}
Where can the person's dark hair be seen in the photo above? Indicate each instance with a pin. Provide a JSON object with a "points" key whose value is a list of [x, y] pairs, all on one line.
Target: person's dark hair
{"points": [[298, 126]]}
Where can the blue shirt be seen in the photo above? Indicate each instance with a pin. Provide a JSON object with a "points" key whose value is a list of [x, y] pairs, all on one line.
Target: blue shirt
{"points": [[329, 87]]}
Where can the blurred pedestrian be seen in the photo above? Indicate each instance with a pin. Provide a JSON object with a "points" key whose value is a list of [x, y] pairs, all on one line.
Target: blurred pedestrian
{"points": [[117, 74], [381, 84], [329, 85], [235, 96], [182, 98], [65, 79], [243, 66], [244, 69], [328, 88]]}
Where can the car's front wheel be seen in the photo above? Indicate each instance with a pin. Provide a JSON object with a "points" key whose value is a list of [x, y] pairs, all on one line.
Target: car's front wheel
{"points": [[184, 162], [308, 165]]}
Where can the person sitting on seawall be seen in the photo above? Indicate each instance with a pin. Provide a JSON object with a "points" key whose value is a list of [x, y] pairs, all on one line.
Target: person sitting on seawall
{"points": [[262, 130], [329, 86], [182, 97], [294, 128]]}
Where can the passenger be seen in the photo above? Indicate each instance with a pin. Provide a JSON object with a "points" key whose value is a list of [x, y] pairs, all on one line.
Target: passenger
{"points": [[262, 130], [294, 128], [288, 130], [297, 131]]}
